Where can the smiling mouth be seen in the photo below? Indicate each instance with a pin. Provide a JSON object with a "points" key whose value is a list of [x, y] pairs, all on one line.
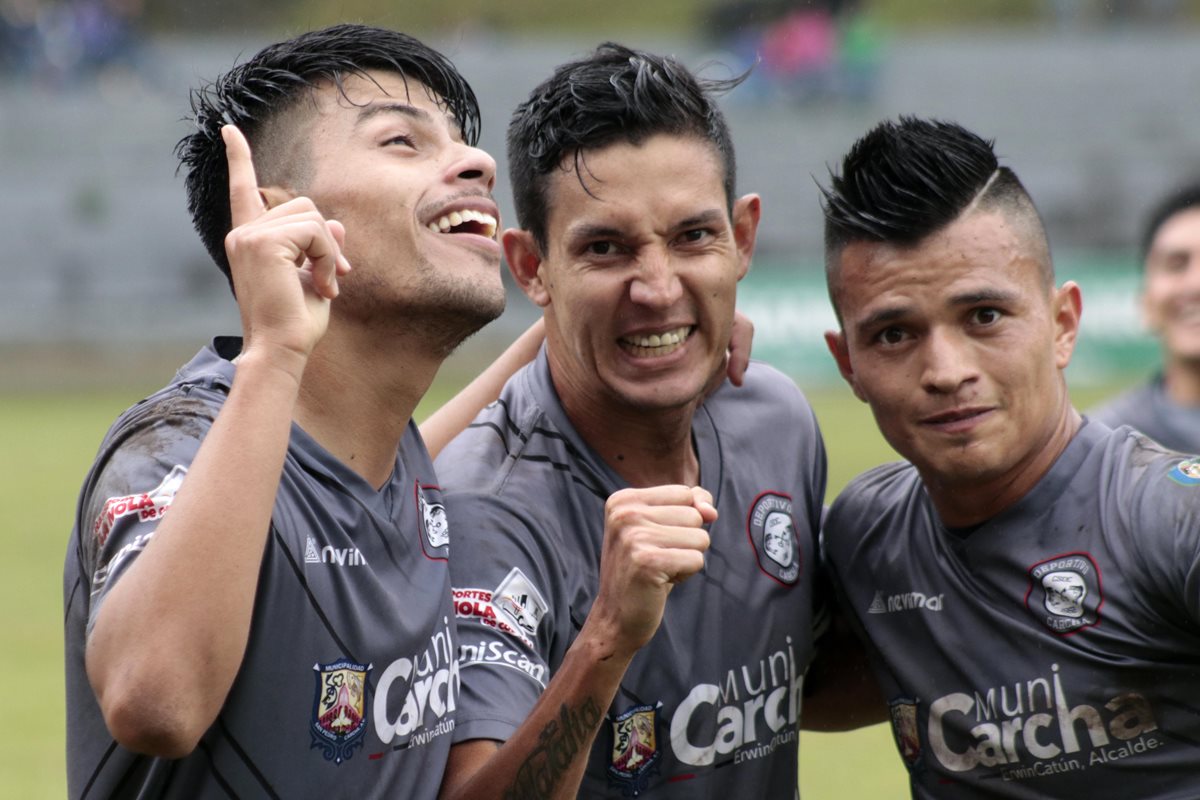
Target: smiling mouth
{"points": [[466, 221], [656, 345]]}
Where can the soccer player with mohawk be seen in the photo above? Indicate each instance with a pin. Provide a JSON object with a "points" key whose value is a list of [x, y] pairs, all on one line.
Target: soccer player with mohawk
{"points": [[1028, 581]]}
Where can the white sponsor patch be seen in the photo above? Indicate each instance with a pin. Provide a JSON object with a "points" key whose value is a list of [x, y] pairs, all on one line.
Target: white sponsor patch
{"points": [[476, 604], [520, 602]]}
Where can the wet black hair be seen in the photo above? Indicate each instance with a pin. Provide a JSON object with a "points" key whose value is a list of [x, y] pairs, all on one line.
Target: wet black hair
{"points": [[261, 91], [907, 179], [616, 94]]}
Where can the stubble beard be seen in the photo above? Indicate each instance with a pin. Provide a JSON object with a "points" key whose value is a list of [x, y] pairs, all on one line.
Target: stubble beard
{"points": [[439, 311]]}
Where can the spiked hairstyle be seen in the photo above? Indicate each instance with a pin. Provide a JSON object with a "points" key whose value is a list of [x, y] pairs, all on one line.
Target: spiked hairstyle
{"points": [[1184, 198], [908, 179], [259, 94], [614, 95]]}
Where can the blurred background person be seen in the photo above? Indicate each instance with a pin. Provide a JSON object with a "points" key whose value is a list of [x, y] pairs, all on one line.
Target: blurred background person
{"points": [[1167, 407]]}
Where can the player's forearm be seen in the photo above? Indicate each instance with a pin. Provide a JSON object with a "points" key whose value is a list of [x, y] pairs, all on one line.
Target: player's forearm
{"points": [[456, 414], [171, 635], [546, 757]]}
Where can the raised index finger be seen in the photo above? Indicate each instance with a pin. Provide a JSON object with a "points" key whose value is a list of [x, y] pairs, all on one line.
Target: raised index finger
{"points": [[244, 201]]}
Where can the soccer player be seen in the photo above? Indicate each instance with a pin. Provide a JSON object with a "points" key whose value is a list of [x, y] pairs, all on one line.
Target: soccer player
{"points": [[257, 597], [634, 558], [1027, 580], [1167, 408]]}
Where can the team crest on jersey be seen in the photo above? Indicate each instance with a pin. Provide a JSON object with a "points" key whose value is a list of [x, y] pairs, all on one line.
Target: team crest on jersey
{"points": [[435, 528], [1186, 472], [634, 756], [904, 728], [147, 506], [1065, 593], [772, 531], [520, 602], [340, 709]]}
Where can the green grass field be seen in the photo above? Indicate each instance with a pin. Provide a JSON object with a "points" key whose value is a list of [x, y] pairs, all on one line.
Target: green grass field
{"points": [[47, 442]]}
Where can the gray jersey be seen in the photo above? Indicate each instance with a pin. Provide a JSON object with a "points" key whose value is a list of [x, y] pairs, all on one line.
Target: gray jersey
{"points": [[1051, 651], [1148, 409], [348, 685], [709, 707]]}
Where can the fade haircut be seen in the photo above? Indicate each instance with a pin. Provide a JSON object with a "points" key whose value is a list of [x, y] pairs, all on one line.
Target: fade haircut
{"points": [[1183, 198], [263, 95], [616, 94], [906, 180]]}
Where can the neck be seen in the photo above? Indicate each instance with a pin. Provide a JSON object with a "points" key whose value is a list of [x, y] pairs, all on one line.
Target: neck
{"points": [[358, 394], [961, 505], [645, 447], [1181, 379]]}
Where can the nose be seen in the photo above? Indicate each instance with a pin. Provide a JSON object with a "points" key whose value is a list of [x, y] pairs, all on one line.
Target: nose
{"points": [[472, 164], [948, 363], [656, 282]]}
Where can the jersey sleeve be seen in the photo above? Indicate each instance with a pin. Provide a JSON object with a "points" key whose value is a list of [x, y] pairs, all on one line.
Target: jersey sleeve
{"points": [[1165, 530], [512, 617], [131, 490]]}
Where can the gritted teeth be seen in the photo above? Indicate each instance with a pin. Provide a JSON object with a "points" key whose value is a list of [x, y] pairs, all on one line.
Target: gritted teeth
{"points": [[658, 339], [657, 344], [465, 221]]}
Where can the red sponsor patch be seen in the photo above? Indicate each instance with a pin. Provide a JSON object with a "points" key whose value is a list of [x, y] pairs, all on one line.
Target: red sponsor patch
{"points": [[477, 604], [148, 506]]}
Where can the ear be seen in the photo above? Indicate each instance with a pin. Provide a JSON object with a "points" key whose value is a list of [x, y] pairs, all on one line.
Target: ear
{"points": [[273, 196], [836, 342], [525, 263], [747, 210], [1068, 309]]}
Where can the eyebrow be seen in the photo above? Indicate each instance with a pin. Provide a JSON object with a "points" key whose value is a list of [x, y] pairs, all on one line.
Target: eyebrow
{"points": [[601, 231], [373, 110], [893, 313]]}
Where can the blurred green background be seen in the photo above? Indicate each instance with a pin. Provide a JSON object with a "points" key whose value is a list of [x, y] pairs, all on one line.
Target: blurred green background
{"points": [[107, 290]]}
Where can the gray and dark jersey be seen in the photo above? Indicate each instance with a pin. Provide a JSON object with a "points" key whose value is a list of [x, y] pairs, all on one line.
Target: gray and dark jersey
{"points": [[1148, 409], [349, 681], [1051, 651], [709, 707]]}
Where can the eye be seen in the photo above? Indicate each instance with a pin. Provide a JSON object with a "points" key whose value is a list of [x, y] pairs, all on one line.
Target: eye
{"points": [[986, 316], [695, 235], [891, 336], [601, 248], [402, 139]]}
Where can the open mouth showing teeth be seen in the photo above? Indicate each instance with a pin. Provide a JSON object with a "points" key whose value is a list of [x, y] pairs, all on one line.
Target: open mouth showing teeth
{"points": [[657, 344], [466, 221]]}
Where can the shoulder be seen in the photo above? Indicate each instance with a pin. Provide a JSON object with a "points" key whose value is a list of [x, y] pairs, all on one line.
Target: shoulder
{"points": [[767, 398], [1126, 407], [1134, 467], [875, 491], [479, 458]]}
